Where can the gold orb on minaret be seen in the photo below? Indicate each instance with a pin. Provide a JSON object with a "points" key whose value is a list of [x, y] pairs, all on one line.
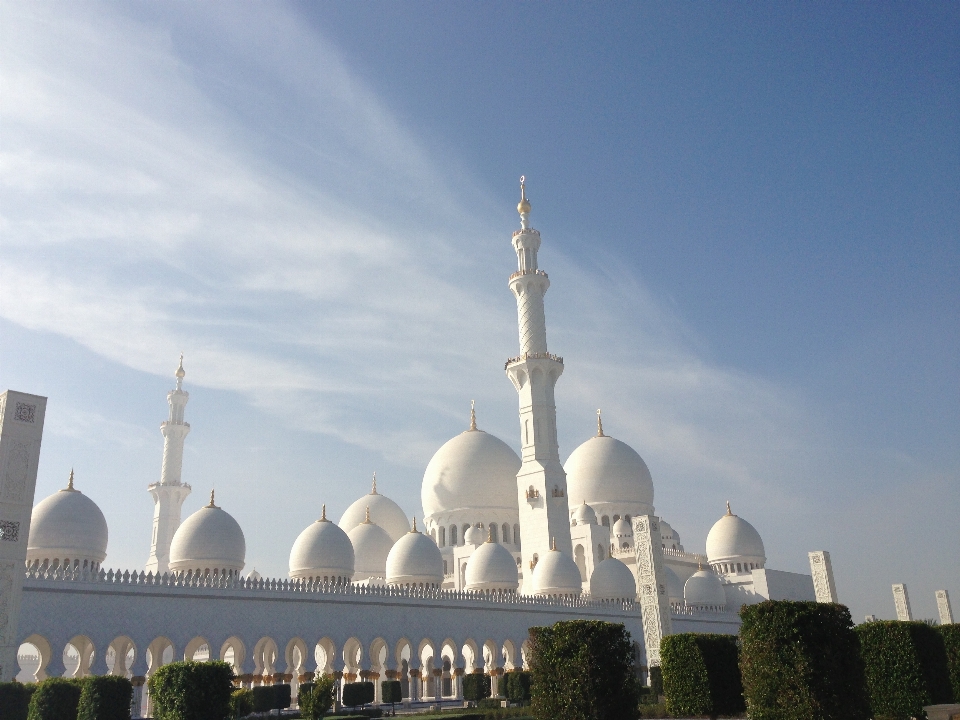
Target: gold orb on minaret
{"points": [[523, 207]]}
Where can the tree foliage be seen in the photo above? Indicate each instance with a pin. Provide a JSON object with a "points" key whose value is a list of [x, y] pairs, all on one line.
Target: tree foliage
{"points": [[476, 686], [517, 686], [15, 700], [358, 693], [701, 674], [192, 691], [241, 703], [801, 661], [951, 643], [583, 670], [105, 697], [391, 691], [315, 698], [55, 699]]}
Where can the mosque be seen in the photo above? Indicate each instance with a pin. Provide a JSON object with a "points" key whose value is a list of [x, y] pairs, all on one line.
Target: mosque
{"points": [[505, 541]]}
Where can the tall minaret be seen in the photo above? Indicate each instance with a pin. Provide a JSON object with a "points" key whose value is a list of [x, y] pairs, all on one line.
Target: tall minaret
{"points": [[541, 482], [169, 494]]}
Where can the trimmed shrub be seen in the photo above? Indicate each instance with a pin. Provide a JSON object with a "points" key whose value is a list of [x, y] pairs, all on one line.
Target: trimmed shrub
{"points": [[518, 686], [906, 667], [701, 674], [391, 692], [55, 699], [358, 693], [656, 681], [359, 712], [476, 686], [489, 703], [105, 697], [191, 690], [951, 643], [583, 670], [241, 703], [315, 698], [271, 697], [15, 700], [801, 660]]}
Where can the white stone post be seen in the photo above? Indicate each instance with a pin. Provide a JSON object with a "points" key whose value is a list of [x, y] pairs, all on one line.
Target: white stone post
{"points": [[651, 585], [821, 569], [21, 430], [943, 605], [902, 602]]}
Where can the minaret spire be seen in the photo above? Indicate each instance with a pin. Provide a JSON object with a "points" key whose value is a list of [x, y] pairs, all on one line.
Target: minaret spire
{"points": [[70, 481], [373, 491], [473, 416], [599, 424], [169, 494], [544, 512]]}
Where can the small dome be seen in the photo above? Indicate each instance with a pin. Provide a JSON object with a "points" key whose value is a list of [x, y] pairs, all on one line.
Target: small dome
{"points": [[67, 526], [612, 580], [209, 541], [733, 539], [474, 536], [371, 546], [474, 471], [383, 511], [556, 574], [704, 589], [674, 586], [415, 559], [491, 567], [622, 529], [609, 475], [669, 537], [583, 515], [322, 551]]}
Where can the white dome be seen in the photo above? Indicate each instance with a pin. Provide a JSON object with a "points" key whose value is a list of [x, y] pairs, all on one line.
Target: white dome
{"points": [[733, 539], [207, 541], [383, 511], [322, 551], [609, 475], [704, 589], [556, 574], [670, 537], [474, 536], [622, 529], [583, 515], [674, 586], [491, 567], [67, 526], [415, 560], [612, 580], [474, 471], [371, 546]]}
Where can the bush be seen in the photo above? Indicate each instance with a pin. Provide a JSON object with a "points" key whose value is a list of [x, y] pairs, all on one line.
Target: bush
{"points": [[315, 698], [191, 691], [583, 670], [655, 710], [476, 686], [801, 660], [362, 712], [656, 681], [906, 667], [517, 686], [391, 691], [489, 703], [951, 642], [15, 700], [271, 697], [701, 674], [241, 703], [55, 699], [358, 693], [105, 697]]}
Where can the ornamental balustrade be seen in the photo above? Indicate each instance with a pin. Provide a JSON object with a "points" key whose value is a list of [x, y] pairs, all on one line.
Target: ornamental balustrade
{"points": [[521, 273], [532, 356], [526, 230]]}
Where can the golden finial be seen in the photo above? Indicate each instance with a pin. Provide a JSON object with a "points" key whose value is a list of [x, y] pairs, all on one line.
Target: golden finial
{"points": [[599, 424], [366, 520], [523, 206], [180, 371], [414, 524], [70, 481], [729, 511], [553, 543], [211, 499], [473, 416], [323, 513], [374, 490], [490, 534]]}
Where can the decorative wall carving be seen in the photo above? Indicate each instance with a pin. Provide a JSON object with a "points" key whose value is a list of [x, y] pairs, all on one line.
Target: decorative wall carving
{"points": [[651, 584], [902, 602], [17, 471], [821, 569], [943, 606], [9, 530], [25, 412]]}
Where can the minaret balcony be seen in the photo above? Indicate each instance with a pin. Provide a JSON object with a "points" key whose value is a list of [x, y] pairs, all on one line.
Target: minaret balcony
{"points": [[521, 273], [523, 231], [532, 356]]}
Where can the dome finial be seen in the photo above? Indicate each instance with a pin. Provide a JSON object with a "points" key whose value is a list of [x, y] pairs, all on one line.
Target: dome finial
{"points": [[523, 207], [414, 525], [70, 481], [211, 499], [553, 543], [366, 519], [374, 490], [599, 424], [473, 416], [323, 513], [180, 373], [729, 511]]}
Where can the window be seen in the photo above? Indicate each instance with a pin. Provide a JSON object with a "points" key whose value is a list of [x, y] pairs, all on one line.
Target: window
{"points": [[600, 553], [516, 535], [453, 534], [506, 533], [627, 518], [738, 567], [493, 532], [616, 517], [605, 521], [443, 536]]}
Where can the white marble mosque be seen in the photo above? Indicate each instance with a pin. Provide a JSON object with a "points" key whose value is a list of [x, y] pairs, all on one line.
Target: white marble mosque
{"points": [[505, 542]]}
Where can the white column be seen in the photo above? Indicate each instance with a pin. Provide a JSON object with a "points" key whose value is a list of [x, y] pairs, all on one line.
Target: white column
{"points": [[541, 481], [902, 602], [651, 585], [168, 494], [21, 430], [821, 569], [943, 606]]}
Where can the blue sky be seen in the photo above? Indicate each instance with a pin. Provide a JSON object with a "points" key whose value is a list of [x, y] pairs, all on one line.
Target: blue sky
{"points": [[750, 217]]}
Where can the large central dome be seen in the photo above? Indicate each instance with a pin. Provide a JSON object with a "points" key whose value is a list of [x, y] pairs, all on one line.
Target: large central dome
{"points": [[474, 470]]}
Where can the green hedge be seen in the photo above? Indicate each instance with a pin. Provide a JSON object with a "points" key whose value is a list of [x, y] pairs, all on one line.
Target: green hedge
{"points": [[701, 674], [801, 660], [55, 699], [517, 686], [15, 700], [391, 691], [583, 670], [271, 697], [191, 690], [951, 642], [105, 697], [906, 667], [356, 694], [241, 703], [476, 686]]}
